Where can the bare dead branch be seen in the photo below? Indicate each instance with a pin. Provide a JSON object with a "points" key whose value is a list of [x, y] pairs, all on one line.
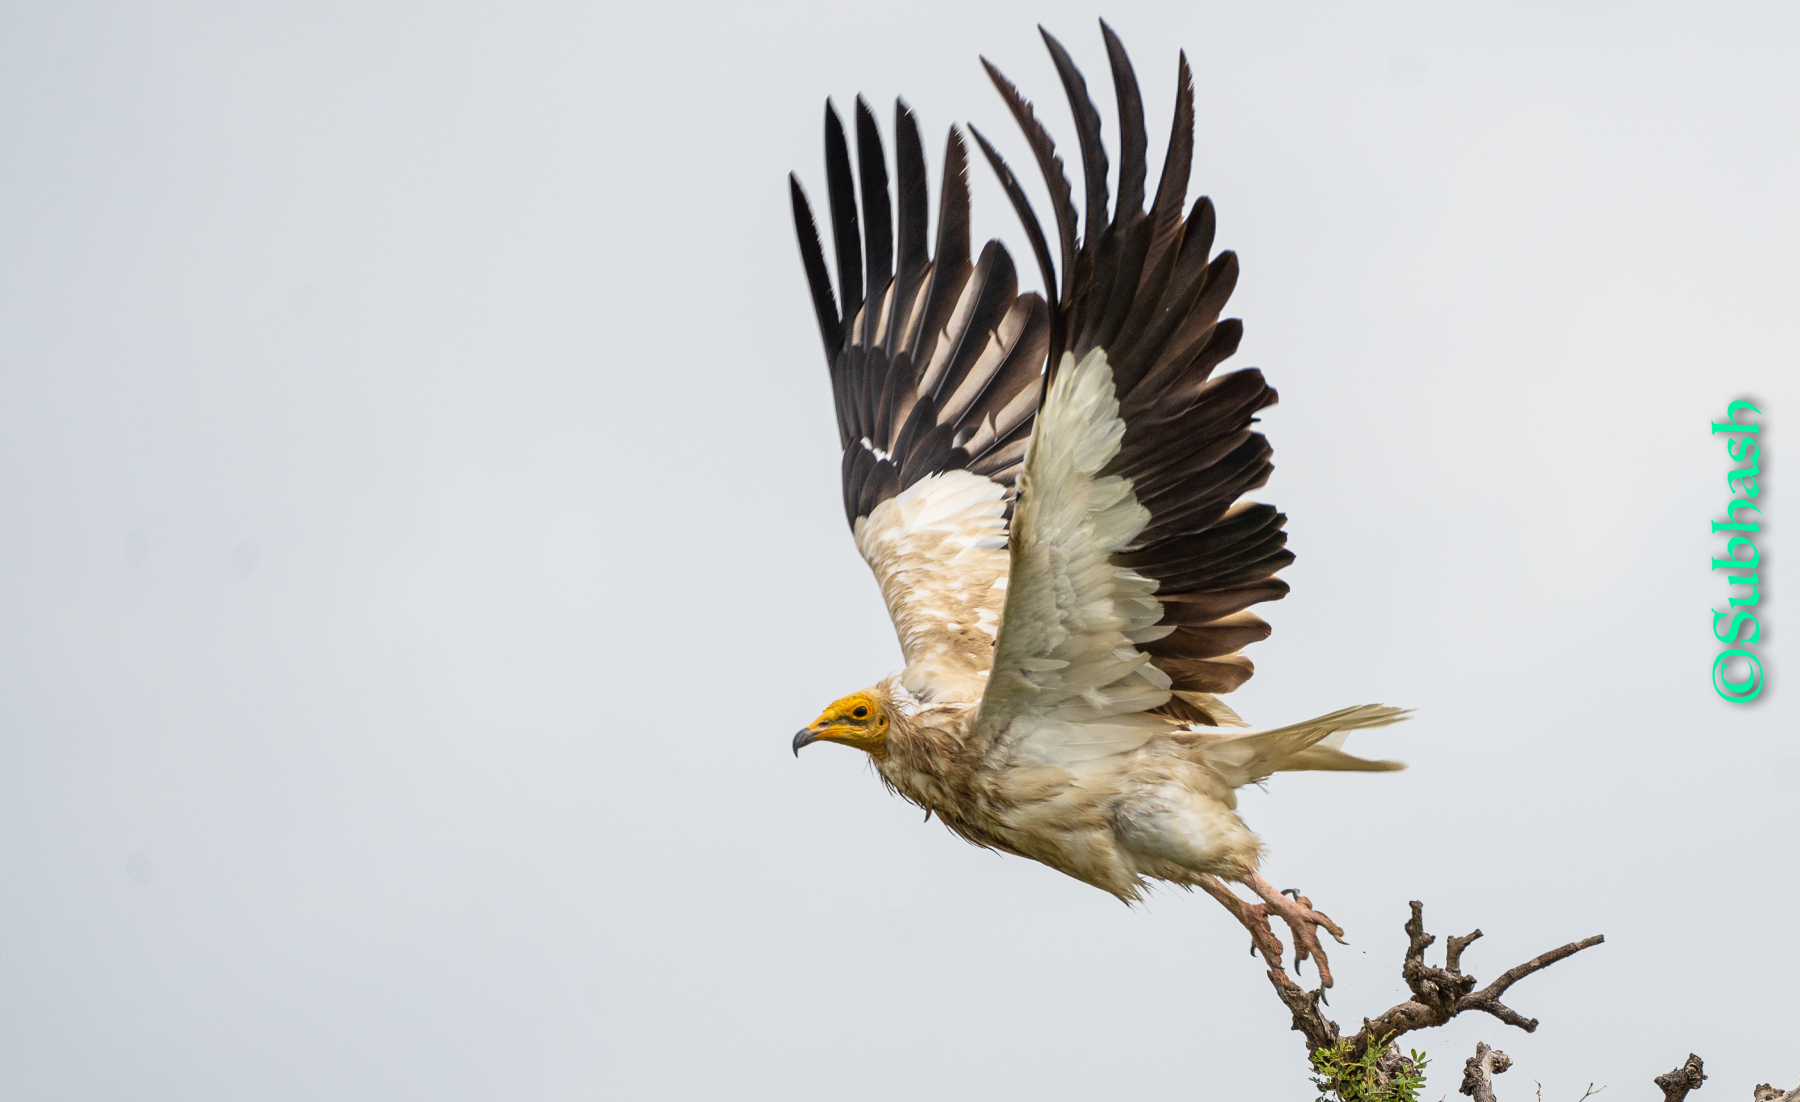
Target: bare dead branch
{"points": [[1319, 1031], [1438, 994], [1479, 1070], [1677, 1083], [1453, 950], [1488, 998]]}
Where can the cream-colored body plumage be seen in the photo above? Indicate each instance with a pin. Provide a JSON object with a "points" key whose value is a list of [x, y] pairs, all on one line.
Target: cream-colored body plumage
{"points": [[1048, 496], [1166, 810]]}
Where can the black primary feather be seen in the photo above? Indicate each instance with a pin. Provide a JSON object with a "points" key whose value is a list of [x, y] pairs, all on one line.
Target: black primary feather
{"points": [[1034, 231], [1144, 287], [818, 280], [844, 230], [913, 200], [877, 217], [1087, 132], [933, 358], [1133, 143], [1062, 202]]}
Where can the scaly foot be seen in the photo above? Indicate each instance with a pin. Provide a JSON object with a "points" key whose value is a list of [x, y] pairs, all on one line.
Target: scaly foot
{"points": [[1298, 913], [1254, 916]]}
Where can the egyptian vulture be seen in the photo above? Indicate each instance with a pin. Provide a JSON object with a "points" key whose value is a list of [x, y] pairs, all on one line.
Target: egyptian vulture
{"points": [[1048, 494]]}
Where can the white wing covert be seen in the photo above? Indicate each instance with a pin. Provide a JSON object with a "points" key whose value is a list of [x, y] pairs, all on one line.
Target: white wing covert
{"points": [[1069, 683]]}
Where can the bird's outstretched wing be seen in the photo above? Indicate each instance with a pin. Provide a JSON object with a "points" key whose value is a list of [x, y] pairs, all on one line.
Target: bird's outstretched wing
{"points": [[1132, 560], [936, 373]]}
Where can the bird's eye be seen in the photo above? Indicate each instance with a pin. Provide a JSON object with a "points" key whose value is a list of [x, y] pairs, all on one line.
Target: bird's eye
{"points": [[860, 712]]}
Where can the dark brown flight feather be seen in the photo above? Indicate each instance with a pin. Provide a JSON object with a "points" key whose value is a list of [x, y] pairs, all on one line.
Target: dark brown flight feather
{"points": [[1143, 286], [935, 361]]}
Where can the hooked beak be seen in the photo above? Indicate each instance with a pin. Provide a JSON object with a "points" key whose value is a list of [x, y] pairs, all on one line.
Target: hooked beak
{"points": [[806, 737]]}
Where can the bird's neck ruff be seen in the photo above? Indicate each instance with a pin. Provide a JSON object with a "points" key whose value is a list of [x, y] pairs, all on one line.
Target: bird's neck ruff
{"points": [[924, 760]]}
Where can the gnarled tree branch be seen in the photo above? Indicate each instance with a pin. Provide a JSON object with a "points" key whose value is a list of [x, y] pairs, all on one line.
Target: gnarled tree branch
{"points": [[1438, 994], [1688, 1077], [1479, 1070], [1319, 1031]]}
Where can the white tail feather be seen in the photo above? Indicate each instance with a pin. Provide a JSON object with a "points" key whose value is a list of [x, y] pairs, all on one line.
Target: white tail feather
{"points": [[1313, 744]]}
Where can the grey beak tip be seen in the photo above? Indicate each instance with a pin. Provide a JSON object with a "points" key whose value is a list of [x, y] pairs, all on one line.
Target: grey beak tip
{"points": [[805, 737]]}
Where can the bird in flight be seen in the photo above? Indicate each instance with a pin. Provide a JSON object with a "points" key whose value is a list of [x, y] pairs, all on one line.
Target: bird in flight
{"points": [[1049, 495]]}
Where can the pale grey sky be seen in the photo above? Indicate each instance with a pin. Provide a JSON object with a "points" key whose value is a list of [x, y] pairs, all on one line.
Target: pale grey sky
{"points": [[419, 540]]}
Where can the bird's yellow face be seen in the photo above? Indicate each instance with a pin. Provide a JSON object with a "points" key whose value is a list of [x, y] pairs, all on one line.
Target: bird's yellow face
{"points": [[857, 720]]}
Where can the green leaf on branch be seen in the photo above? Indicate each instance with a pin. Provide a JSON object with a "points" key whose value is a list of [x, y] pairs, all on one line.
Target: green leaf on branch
{"points": [[1376, 1074]]}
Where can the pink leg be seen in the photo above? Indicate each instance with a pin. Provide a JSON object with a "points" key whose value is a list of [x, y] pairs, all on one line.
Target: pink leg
{"points": [[1254, 916], [1298, 913]]}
